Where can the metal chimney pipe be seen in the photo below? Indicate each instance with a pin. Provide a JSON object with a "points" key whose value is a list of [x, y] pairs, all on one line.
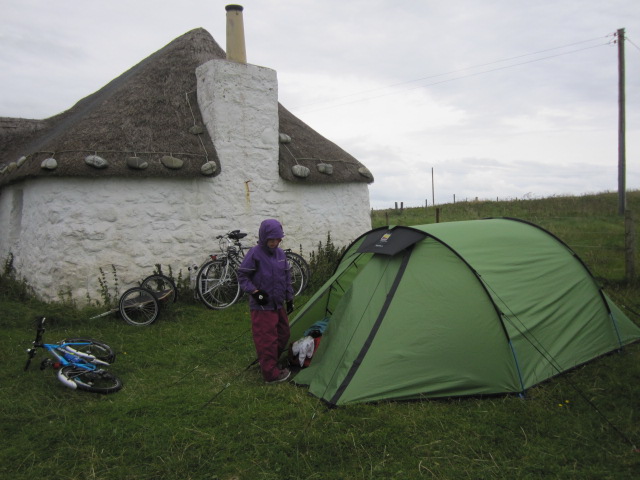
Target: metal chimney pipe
{"points": [[236, 51]]}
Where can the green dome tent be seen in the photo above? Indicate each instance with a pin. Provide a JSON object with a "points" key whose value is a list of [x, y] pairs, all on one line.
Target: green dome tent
{"points": [[451, 309]]}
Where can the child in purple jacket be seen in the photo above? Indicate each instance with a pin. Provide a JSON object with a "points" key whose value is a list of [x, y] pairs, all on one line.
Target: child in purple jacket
{"points": [[264, 274]]}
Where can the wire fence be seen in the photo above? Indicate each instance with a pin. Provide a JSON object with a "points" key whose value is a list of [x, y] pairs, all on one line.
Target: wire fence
{"points": [[606, 242]]}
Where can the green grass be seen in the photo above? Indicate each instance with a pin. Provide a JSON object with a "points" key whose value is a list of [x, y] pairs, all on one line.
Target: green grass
{"points": [[193, 407]]}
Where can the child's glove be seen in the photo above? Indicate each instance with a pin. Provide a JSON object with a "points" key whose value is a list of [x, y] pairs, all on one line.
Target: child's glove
{"points": [[261, 297], [289, 306]]}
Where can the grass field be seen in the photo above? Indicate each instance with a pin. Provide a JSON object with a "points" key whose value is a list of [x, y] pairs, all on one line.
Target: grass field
{"points": [[194, 407]]}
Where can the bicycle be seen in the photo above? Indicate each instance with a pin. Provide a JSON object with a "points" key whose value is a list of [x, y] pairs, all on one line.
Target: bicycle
{"points": [[217, 284], [300, 271], [140, 306], [79, 362]]}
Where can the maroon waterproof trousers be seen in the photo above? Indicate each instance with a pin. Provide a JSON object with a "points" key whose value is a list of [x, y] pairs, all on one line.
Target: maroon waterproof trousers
{"points": [[271, 337]]}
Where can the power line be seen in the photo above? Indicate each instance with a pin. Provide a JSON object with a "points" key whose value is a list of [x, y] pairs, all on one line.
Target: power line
{"points": [[473, 67], [629, 40], [458, 71]]}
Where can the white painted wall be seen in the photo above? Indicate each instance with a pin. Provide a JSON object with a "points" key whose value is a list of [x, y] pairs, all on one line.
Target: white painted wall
{"points": [[61, 231]]}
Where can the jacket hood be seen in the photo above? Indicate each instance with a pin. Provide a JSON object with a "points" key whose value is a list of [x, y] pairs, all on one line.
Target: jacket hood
{"points": [[270, 228]]}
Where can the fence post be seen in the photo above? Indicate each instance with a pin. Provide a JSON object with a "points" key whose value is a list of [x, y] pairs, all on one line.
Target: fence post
{"points": [[629, 246], [438, 215]]}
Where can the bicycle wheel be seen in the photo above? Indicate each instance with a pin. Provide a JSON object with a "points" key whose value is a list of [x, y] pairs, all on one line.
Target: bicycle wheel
{"points": [[217, 284], [164, 288], [98, 381], [139, 306], [297, 276], [303, 265], [100, 350]]}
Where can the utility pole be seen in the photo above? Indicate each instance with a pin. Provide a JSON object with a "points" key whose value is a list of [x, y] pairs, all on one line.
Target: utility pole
{"points": [[629, 226], [622, 188]]}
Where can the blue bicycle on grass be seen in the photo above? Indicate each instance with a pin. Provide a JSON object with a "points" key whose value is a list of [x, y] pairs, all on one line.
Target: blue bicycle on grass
{"points": [[79, 362]]}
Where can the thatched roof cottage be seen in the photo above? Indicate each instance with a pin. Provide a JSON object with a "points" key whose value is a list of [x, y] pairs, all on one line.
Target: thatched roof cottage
{"points": [[185, 145]]}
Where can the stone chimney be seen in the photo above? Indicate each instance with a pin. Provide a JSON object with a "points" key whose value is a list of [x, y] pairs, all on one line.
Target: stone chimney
{"points": [[236, 51], [239, 106]]}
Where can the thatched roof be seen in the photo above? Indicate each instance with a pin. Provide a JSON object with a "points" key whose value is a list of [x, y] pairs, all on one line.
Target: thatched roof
{"points": [[310, 149], [147, 114]]}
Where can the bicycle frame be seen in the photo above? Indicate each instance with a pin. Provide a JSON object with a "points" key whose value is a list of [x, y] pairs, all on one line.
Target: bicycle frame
{"points": [[75, 368], [217, 283], [67, 355]]}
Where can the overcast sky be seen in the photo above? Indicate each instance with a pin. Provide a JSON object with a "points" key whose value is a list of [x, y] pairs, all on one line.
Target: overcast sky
{"points": [[498, 98]]}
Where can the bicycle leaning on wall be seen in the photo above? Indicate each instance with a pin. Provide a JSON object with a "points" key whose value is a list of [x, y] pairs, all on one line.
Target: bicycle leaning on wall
{"points": [[217, 284]]}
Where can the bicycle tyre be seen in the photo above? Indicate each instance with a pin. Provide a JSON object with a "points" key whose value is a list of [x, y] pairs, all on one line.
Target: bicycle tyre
{"points": [[297, 276], [302, 262], [139, 307], [217, 284], [164, 288], [304, 267], [97, 381], [98, 349]]}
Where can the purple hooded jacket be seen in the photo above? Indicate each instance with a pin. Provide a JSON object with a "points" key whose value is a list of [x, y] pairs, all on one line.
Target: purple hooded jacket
{"points": [[267, 269]]}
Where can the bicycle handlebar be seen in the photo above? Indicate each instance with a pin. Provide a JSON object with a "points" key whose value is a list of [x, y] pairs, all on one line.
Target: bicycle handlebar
{"points": [[30, 354], [36, 343], [39, 330], [233, 234]]}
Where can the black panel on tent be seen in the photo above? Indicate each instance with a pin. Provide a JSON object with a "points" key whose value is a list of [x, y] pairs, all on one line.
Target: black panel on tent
{"points": [[390, 242]]}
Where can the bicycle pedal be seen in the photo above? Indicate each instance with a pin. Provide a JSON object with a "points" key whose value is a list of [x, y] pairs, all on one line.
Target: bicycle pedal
{"points": [[45, 363]]}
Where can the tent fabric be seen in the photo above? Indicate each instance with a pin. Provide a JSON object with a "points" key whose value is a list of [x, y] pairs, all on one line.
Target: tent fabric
{"points": [[390, 242], [460, 308]]}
